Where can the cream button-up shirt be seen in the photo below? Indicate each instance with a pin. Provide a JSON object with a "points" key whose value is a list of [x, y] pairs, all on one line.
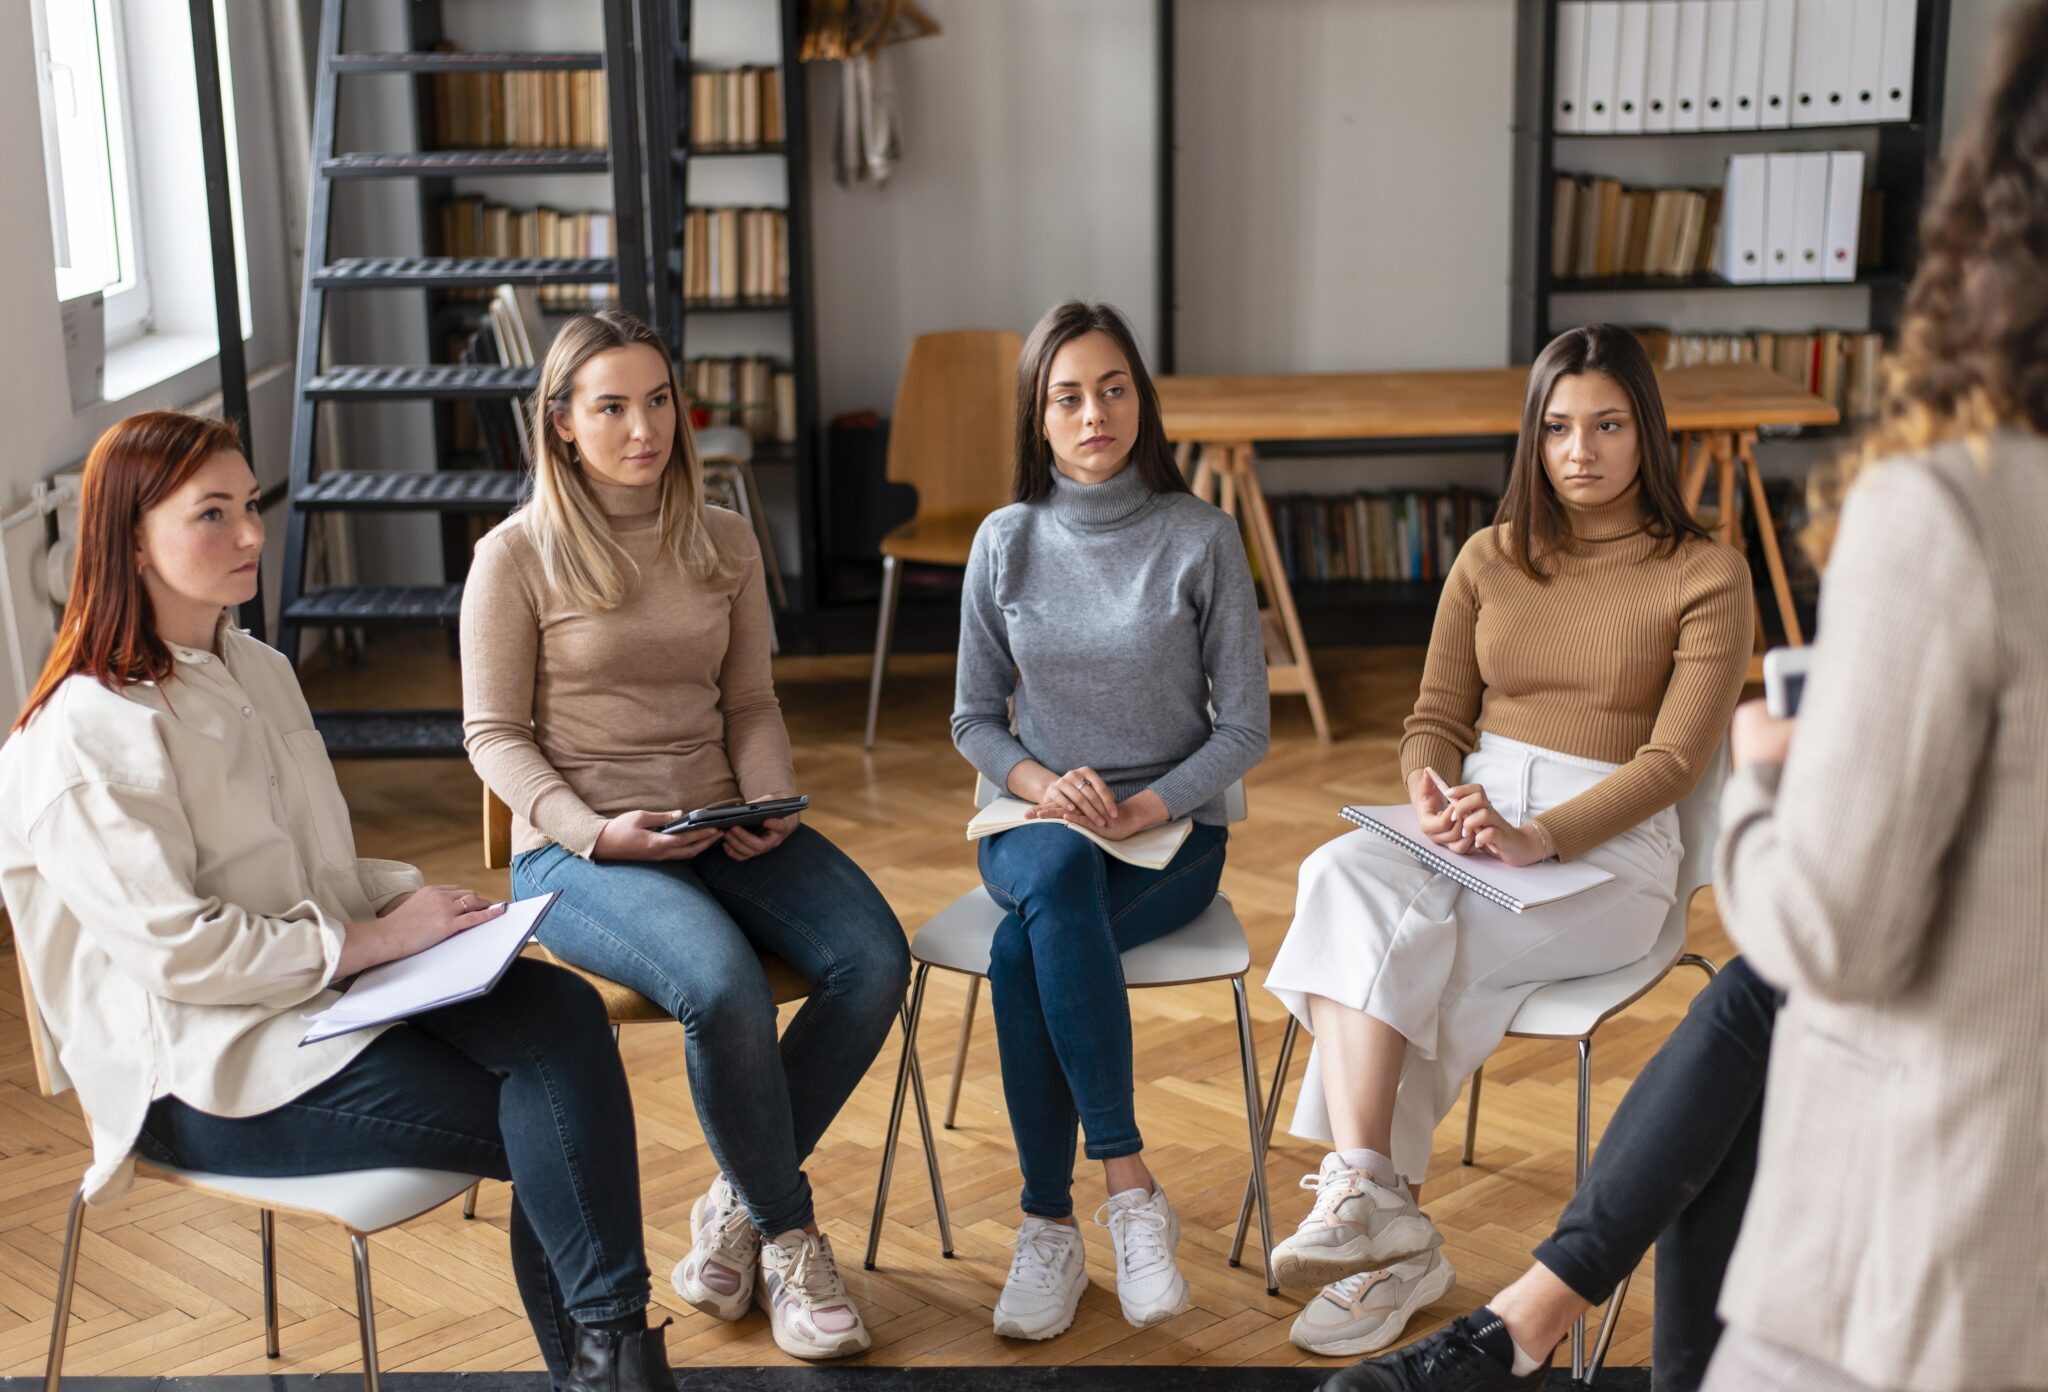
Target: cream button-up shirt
{"points": [[179, 868]]}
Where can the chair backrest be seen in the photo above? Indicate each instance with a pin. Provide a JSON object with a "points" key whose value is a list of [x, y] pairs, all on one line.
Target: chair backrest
{"points": [[497, 831], [951, 436], [1699, 831], [986, 792], [42, 1045], [722, 442]]}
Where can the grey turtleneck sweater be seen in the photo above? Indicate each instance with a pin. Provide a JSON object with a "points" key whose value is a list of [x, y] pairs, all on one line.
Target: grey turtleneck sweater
{"points": [[1118, 619]]}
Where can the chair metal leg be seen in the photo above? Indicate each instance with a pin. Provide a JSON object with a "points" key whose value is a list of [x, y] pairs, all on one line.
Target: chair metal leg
{"points": [[1254, 1123], [960, 1054], [931, 1156], [1585, 1131], [1272, 1117], [266, 1228], [67, 1279], [910, 1018], [885, 628], [469, 1200], [1705, 964], [1608, 1322], [1472, 1115], [366, 1310]]}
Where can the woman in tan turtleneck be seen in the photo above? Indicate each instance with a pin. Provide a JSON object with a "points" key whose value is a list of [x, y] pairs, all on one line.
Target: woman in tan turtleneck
{"points": [[1587, 655]]}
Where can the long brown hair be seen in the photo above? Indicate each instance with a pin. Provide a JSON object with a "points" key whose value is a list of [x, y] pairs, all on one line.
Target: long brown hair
{"points": [[109, 627], [1150, 455], [1534, 518], [1973, 352]]}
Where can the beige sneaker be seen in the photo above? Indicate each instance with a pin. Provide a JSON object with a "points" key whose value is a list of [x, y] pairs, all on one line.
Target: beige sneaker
{"points": [[717, 1276], [808, 1308], [1366, 1312], [1357, 1224]]}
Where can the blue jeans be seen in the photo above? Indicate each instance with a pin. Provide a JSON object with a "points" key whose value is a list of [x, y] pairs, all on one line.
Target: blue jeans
{"points": [[688, 935], [1063, 1025], [522, 1084]]}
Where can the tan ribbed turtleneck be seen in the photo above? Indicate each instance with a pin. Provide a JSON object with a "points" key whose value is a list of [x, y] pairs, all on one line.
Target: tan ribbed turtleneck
{"points": [[573, 716], [1625, 654]]}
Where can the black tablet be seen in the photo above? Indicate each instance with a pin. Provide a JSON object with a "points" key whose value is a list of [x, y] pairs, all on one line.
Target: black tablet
{"points": [[738, 814]]}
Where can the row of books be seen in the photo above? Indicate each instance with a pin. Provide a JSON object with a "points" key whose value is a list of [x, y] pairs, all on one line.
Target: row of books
{"points": [[756, 394], [735, 106], [520, 110], [1376, 536], [470, 226], [1601, 228], [735, 255], [1841, 366]]}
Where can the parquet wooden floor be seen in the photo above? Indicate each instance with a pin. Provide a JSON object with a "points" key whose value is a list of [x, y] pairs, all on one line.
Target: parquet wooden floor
{"points": [[170, 1281]]}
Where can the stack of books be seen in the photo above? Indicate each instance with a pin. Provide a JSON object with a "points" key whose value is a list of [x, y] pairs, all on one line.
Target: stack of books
{"points": [[520, 110], [472, 227], [735, 107], [735, 256], [756, 394], [1841, 366], [1376, 536], [1600, 228]]}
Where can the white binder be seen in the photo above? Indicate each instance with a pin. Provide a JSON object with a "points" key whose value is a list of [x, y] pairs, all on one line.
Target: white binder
{"points": [[1810, 218], [1741, 243], [1689, 65], [1657, 67], [1603, 30], [1866, 61], [1781, 189], [1774, 81], [1569, 114], [1845, 212], [1895, 68], [1820, 62], [1746, 73], [1715, 102], [1632, 51]]}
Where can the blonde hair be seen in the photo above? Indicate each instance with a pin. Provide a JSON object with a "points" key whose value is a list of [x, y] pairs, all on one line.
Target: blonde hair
{"points": [[578, 555]]}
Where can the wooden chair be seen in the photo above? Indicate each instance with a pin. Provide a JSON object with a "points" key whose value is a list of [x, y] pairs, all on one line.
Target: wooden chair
{"points": [[951, 439], [625, 1006]]}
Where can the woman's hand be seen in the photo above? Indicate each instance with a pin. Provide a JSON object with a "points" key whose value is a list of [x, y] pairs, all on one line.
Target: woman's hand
{"points": [[1139, 812], [742, 844], [1438, 819], [639, 836], [1758, 737], [1496, 835], [1080, 795], [413, 924]]}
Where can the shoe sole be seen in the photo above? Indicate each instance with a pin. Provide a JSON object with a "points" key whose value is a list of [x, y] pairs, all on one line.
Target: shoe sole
{"points": [[1011, 1329], [1318, 1267], [729, 1308], [1180, 1301], [817, 1353], [1390, 1331]]}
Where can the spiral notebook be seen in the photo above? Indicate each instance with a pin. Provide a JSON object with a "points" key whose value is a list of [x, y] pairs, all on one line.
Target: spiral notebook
{"points": [[1512, 887]]}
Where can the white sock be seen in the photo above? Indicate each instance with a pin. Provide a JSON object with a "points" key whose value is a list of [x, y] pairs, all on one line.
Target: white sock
{"points": [[1380, 1167], [1524, 1364], [1139, 1195]]}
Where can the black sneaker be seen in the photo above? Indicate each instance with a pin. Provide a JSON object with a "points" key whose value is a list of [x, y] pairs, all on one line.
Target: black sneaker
{"points": [[1450, 1360]]}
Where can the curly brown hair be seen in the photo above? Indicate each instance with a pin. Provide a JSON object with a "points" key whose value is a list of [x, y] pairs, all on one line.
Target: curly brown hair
{"points": [[1973, 353]]}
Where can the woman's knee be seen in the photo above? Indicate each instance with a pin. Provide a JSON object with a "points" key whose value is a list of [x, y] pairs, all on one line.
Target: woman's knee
{"points": [[733, 1006], [544, 995]]}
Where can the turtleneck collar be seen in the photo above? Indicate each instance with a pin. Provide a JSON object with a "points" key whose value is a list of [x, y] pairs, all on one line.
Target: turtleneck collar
{"points": [[623, 503], [1613, 520], [1101, 506]]}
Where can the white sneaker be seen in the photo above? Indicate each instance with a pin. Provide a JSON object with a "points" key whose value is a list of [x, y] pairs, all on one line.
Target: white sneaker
{"points": [[1143, 1231], [1366, 1312], [808, 1308], [1047, 1276], [717, 1276], [1357, 1224]]}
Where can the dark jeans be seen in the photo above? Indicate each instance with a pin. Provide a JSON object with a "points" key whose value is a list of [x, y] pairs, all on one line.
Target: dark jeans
{"points": [[688, 935], [1675, 1168], [522, 1084], [1063, 1026]]}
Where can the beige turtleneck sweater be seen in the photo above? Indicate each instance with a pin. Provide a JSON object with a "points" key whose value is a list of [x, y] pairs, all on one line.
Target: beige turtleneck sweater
{"points": [[573, 716], [1624, 655]]}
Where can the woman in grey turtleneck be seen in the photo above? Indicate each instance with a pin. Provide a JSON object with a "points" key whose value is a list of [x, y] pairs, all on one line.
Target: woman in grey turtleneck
{"points": [[1115, 611]]}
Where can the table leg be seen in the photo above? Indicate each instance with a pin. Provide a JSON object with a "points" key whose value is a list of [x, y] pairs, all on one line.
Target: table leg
{"points": [[1297, 674], [1693, 463], [1202, 482], [1767, 530], [1724, 481]]}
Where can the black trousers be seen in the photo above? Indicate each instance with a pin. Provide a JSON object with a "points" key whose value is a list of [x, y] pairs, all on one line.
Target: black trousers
{"points": [[1675, 1168]]}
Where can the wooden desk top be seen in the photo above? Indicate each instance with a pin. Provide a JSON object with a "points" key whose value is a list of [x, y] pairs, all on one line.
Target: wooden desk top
{"points": [[1487, 401]]}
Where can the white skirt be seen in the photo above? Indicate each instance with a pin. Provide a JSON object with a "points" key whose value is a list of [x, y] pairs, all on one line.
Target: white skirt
{"points": [[1376, 931]]}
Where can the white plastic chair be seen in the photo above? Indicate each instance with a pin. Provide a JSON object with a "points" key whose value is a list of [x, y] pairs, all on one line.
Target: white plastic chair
{"points": [[1573, 1009], [361, 1201], [958, 938]]}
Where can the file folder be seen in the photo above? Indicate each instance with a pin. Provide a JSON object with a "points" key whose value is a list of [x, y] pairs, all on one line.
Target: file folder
{"points": [[1820, 62], [1895, 71], [1689, 65], [1657, 67], [1866, 60], [1810, 220], [1781, 177], [1774, 77], [1746, 73], [1632, 50], [1568, 112], [1603, 30], [1714, 78], [1845, 210], [1741, 248]]}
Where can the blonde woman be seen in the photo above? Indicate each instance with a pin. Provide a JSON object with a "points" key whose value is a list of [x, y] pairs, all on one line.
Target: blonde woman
{"points": [[615, 674]]}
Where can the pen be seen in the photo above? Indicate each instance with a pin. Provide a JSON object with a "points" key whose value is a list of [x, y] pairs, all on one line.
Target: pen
{"points": [[1443, 790]]}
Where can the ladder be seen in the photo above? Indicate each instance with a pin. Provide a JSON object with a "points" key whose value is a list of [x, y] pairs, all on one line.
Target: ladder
{"points": [[446, 491]]}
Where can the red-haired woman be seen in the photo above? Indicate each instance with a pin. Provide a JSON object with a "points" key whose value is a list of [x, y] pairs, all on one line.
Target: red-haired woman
{"points": [[177, 860]]}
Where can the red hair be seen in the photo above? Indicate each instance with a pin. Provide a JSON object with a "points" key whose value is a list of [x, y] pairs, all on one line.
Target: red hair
{"points": [[109, 626]]}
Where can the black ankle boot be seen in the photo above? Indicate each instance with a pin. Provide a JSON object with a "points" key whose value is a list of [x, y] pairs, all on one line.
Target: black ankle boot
{"points": [[606, 1360]]}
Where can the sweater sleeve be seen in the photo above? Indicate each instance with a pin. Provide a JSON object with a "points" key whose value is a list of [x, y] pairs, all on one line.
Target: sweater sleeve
{"points": [[1234, 659], [756, 741], [987, 674], [1444, 727], [1716, 625], [500, 647]]}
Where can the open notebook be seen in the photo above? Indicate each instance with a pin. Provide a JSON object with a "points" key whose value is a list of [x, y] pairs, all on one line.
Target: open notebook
{"points": [[1506, 885], [1149, 850]]}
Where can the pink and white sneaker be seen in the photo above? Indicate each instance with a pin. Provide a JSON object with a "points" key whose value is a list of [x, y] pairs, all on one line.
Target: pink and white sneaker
{"points": [[808, 1308], [717, 1276]]}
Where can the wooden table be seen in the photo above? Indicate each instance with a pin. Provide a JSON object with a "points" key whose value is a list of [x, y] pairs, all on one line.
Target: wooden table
{"points": [[1714, 411]]}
